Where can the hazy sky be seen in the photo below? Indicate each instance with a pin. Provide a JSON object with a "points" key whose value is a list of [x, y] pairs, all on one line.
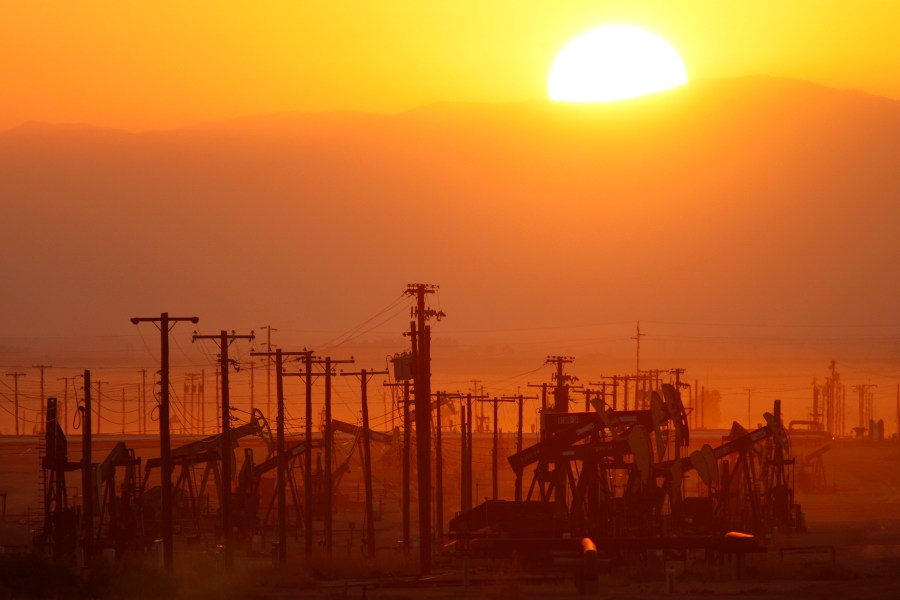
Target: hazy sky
{"points": [[147, 64], [786, 239]]}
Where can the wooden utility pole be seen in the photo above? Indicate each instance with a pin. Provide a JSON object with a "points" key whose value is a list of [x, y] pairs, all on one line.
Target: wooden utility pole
{"points": [[364, 377], [15, 375], [463, 475], [202, 401], [279, 448], [537, 424], [307, 459], [308, 376], [561, 390], [99, 385], [269, 329], [42, 421], [420, 334], [439, 472], [165, 323], [637, 338], [66, 381], [404, 467], [328, 491], [561, 405], [252, 390], [87, 475], [467, 412], [495, 453], [143, 398], [519, 399], [281, 456], [191, 392], [224, 340]]}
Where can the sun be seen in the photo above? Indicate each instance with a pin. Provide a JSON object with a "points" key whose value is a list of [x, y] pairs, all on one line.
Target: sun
{"points": [[614, 62]]}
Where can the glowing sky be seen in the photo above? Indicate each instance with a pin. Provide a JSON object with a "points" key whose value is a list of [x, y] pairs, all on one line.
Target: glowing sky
{"points": [[147, 64]]}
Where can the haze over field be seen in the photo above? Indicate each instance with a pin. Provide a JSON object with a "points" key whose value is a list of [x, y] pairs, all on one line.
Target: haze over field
{"points": [[749, 223]]}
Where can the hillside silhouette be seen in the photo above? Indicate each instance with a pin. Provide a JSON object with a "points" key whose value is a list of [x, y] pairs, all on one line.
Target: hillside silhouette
{"points": [[745, 201]]}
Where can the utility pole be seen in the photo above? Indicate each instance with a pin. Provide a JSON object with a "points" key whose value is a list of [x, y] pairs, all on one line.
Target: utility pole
{"points": [[543, 387], [420, 335], [223, 340], [561, 391], [202, 401], [269, 329], [329, 454], [520, 399], [462, 456], [41, 421], [405, 451], [15, 375], [87, 475], [191, 391], [364, 377], [496, 451], [307, 474], [637, 337], [252, 388], [165, 323], [66, 381], [143, 373], [439, 472], [99, 384], [281, 457], [467, 412]]}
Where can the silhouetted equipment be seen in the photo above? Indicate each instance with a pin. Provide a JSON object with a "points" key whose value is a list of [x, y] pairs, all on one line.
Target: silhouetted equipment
{"points": [[15, 375], [247, 496], [617, 478], [420, 336], [120, 524], [87, 474], [224, 340], [281, 458], [191, 499], [364, 376], [164, 323], [59, 534]]}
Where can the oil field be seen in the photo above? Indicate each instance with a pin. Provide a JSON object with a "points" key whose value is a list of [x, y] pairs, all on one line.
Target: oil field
{"points": [[618, 489], [413, 299]]}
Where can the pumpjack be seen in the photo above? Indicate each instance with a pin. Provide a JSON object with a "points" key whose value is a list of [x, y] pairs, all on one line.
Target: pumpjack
{"points": [[192, 503], [617, 477], [59, 534]]}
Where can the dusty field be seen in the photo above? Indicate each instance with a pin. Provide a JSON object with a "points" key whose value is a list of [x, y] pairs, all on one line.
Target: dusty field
{"points": [[860, 519]]}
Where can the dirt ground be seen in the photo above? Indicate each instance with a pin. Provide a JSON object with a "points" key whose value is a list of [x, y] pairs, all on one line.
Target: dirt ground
{"points": [[858, 517]]}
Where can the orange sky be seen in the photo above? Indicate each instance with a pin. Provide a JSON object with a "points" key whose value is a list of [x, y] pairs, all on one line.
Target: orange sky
{"points": [[149, 64]]}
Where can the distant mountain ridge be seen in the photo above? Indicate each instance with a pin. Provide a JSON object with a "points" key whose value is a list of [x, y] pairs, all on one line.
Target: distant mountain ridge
{"points": [[751, 199]]}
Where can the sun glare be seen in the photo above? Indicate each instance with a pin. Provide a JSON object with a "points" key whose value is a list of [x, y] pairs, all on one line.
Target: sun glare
{"points": [[614, 62]]}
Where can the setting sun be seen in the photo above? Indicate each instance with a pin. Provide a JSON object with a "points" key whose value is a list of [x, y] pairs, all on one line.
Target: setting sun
{"points": [[614, 62]]}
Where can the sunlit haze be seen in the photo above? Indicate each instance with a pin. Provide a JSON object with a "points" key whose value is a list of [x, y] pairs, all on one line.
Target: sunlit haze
{"points": [[614, 62]]}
